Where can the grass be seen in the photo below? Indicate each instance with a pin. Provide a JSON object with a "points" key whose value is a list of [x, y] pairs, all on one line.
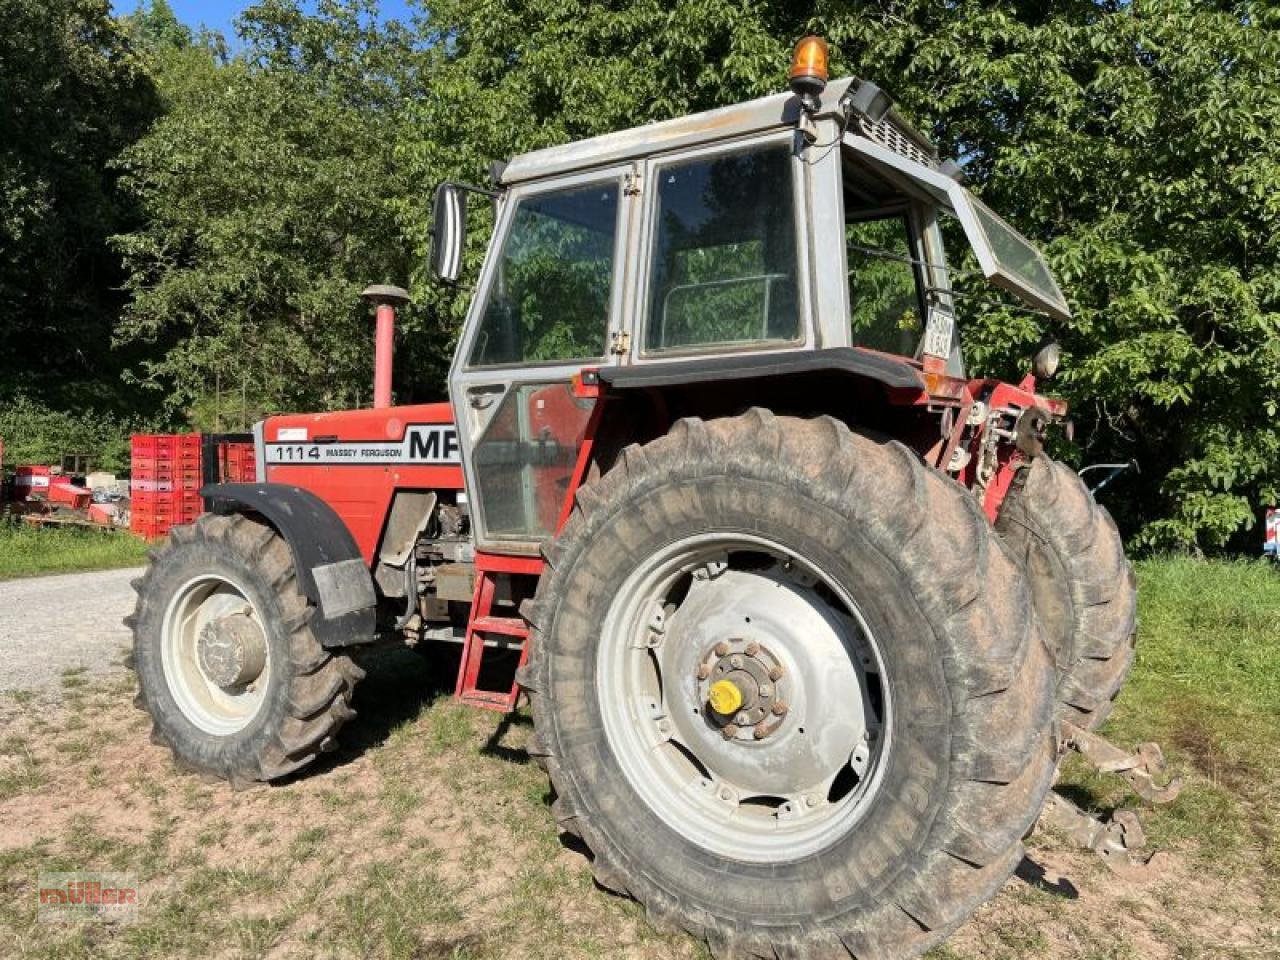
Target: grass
{"points": [[1206, 686], [429, 834], [27, 551]]}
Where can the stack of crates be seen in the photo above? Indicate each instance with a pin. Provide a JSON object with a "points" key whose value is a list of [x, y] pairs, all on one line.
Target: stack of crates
{"points": [[237, 462], [164, 488]]}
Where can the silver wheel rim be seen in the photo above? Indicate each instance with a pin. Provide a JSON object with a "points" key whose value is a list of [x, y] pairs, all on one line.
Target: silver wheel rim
{"points": [[198, 606], [783, 782]]}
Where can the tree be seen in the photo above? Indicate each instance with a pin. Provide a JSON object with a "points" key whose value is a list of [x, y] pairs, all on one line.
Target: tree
{"points": [[1136, 141], [1139, 142], [156, 29], [72, 95], [266, 189]]}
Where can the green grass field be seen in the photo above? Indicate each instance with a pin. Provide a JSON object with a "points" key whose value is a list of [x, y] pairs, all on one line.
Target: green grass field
{"points": [[1207, 688], [429, 833], [30, 551]]}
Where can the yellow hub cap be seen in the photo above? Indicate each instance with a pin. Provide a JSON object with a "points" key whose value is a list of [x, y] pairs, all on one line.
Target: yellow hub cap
{"points": [[725, 697]]}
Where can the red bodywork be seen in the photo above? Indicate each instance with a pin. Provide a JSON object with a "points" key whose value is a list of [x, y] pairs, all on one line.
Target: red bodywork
{"points": [[360, 493]]}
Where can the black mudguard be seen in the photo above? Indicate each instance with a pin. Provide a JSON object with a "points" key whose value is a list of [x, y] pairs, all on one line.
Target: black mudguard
{"points": [[330, 569]]}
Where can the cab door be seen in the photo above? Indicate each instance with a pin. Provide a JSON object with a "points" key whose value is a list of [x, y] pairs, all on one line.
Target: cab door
{"points": [[549, 303]]}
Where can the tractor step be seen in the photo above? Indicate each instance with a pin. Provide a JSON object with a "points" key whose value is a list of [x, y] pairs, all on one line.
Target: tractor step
{"points": [[481, 629], [508, 626]]}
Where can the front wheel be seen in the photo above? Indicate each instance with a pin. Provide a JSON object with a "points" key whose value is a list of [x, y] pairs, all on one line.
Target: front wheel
{"points": [[235, 681], [789, 690]]}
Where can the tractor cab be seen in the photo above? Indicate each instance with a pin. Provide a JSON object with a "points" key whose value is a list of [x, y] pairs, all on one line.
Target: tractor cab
{"points": [[800, 232]]}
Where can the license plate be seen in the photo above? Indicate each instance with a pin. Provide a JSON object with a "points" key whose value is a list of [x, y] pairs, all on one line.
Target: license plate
{"points": [[939, 333]]}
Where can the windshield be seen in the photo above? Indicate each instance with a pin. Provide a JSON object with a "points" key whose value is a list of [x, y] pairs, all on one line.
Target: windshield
{"points": [[1014, 255]]}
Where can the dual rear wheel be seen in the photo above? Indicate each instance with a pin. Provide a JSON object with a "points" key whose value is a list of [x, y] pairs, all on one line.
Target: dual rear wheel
{"points": [[790, 691]]}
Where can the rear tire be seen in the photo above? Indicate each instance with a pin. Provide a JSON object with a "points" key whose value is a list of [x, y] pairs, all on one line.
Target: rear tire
{"points": [[291, 696], [969, 742], [1082, 585]]}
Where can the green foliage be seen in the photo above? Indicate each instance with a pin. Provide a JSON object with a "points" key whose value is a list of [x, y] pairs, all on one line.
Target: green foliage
{"points": [[34, 433], [155, 29], [72, 94], [1136, 141], [268, 189]]}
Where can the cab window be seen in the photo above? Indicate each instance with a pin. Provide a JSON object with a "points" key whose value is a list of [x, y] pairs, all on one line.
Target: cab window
{"points": [[549, 300], [885, 305], [724, 264]]}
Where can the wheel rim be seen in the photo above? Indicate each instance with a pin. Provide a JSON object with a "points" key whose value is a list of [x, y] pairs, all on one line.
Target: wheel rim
{"points": [[213, 650], [744, 697]]}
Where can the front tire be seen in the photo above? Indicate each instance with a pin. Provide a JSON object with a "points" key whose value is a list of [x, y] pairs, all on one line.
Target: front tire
{"points": [[235, 681], [825, 533]]}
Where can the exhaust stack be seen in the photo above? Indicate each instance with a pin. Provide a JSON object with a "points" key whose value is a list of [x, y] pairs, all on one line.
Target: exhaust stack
{"points": [[387, 299]]}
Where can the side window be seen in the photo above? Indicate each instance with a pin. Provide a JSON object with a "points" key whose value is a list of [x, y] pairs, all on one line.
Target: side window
{"points": [[550, 298], [884, 294], [724, 267]]}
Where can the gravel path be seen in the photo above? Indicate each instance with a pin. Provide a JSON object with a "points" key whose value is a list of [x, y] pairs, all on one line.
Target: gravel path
{"points": [[52, 624]]}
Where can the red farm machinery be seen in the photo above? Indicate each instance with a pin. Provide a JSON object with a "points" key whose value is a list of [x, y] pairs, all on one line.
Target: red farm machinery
{"points": [[804, 614]]}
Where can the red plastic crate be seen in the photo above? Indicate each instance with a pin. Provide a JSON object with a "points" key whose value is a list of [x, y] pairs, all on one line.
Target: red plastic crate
{"points": [[149, 530], [103, 513]]}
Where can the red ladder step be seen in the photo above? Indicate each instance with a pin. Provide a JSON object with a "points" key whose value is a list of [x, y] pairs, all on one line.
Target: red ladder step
{"points": [[483, 622], [507, 626]]}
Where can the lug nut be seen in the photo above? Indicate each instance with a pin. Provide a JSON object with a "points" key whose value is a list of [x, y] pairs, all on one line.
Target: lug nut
{"points": [[752, 648], [730, 731], [761, 732], [779, 708], [775, 674], [722, 648], [704, 671]]}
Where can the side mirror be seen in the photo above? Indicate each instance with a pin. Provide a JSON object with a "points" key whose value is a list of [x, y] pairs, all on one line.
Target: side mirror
{"points": [[448, 232]]}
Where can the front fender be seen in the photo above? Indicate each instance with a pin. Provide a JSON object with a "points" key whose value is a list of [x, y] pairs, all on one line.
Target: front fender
{"points": [[331, 572]]}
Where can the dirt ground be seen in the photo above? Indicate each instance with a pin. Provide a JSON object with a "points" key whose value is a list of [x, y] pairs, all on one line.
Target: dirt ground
{"points": [[429, 835]]}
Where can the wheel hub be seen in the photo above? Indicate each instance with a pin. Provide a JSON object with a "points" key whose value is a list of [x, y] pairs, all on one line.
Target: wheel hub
{"points": [[741, 682], [786, 657], [215, 654], [231, 650]]}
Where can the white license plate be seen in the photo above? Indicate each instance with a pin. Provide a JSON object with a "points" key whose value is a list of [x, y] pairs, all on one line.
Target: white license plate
{"points": [[939, 333]]}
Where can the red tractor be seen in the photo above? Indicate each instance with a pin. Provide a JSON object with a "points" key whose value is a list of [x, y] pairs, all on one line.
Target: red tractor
{"points": [[803, 612]]}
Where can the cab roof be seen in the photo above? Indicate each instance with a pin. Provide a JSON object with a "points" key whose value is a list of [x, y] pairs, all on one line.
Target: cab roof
{"points": [[778, 111]]}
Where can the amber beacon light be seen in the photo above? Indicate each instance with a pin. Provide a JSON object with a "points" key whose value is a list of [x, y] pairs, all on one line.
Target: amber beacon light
{"points": [[808, 73]]}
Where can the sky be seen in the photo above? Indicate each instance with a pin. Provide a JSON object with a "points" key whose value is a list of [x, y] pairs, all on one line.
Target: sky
{"points": [[219, 14]]}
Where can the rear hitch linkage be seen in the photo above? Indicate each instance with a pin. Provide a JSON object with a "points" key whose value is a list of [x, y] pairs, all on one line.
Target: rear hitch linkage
{"points": [[1118, 838]]}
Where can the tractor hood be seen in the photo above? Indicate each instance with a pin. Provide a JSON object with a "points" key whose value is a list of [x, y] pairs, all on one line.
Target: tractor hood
{"points": [[1006, 257]]}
